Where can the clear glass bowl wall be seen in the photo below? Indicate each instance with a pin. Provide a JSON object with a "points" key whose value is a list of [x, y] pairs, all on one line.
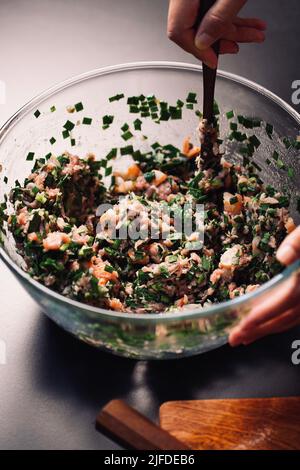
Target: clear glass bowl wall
{"points": [[157, 336]]}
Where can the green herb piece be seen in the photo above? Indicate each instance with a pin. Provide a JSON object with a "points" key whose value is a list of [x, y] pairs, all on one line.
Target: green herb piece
{"points": [[189, 106], [290, 172], [126, 150], [216, 108], [254, 141], [149, 176], [108, 171], [233, 200], [69, 125], [5, 179], [117, 97], [65, 134], [287, 143], [127, 135], [175, 113], [53, 109], [73, 142], [134, 109], [230, 114], [112, 154], [78, 106], [30, 156], [52, 140], [137, 124], [269, 130], [87, 121], [180, 104], [191, 98], [233, 126], [37, 113], [125, 127]]}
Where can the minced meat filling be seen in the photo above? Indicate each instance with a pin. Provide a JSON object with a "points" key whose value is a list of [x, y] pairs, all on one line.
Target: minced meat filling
{"points": [[71, 248]]}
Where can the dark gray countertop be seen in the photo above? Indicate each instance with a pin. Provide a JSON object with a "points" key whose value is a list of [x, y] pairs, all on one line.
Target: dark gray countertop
{"points": [[52, 386]]}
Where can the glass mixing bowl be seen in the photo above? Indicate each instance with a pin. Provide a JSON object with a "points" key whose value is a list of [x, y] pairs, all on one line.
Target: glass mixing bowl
{"points": [[156, 336]]}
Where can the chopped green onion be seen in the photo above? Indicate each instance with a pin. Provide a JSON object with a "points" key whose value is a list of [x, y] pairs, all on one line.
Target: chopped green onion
{"points": [[30, 156], [126, 150], [73, 142], [65, 134], [137, 124], [108, 171], [134, 109], [230, 114], [69, 125], [127, 135], [78, 106], [53, 109], [112, 154], [52, 140], [116, 97], [5, 179], [191, 98], [37, 113], [87, 121], [125, 127]]}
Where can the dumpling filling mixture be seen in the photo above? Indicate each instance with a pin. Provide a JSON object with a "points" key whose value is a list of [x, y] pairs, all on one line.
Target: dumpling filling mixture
{"points": [[71, 248]]}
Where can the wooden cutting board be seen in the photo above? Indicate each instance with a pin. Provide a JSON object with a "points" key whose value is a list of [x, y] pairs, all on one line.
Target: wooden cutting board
{"points": [[258, 423]]}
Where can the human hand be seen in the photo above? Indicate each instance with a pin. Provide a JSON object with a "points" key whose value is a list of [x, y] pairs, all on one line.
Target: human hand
{"points": [[279, 312], [220, 22]]}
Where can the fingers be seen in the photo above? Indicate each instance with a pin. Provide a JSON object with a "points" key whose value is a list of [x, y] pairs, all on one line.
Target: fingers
{"points": [[181, 17], [289, 250], [217, 22], [251, 23], [245, 34], [282, 323], [287, 297]]}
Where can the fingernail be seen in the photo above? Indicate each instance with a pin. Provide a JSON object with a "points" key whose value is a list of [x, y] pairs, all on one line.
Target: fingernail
{"points": [[286, 254], [203, 41]]}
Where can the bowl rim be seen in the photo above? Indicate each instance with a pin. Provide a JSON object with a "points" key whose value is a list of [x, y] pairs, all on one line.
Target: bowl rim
{"points": [[208, 311]]}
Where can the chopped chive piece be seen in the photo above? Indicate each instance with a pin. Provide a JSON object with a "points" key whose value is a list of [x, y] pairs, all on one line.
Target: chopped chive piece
{"points": [[233, 126], [137, 124], [191, 98], [280, 164], [256, 166], [149, 176], [133, 100], [69, 125], [30, 156], [78, 106], [134, 109], [145, 114], [125, 127], [256, 123], [107, 119], [233, 200], [127, 135], [189, 106], [108, 171], [255, 141], [37, 113], [126, 150], [240, 119], [180, 104], [52, 140], [106, 126], [49, 155], [73, 142], [268, 161], [198, 113], [230, 114], [116, 97], [290, 172], [65, 134], [175, 113], [248, 123], [109, 268], [111, 154], [275, 155], [216, 108], [87, 121], [287, 143], [164, 115], [5, 179], [103, 163], [269, 130], [53, 109]]}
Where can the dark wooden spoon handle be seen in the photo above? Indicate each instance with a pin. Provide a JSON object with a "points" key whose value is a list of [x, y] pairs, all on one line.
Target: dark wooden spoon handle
{"points": [[209, 75]]}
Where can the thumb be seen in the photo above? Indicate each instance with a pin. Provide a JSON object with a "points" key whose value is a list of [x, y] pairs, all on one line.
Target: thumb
{"points": [[217, 21]]}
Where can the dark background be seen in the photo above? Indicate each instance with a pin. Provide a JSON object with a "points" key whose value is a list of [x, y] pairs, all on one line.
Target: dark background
{"points": [[52, 385]]}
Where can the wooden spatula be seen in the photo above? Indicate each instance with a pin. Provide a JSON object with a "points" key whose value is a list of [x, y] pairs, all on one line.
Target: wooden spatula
{"points": [[258, 423]]}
